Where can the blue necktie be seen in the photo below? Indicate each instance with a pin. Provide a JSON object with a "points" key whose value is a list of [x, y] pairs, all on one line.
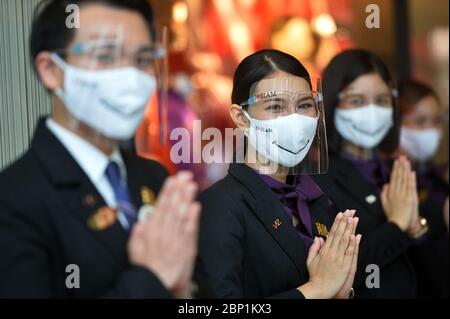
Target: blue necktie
{"points": [[124, 204]]}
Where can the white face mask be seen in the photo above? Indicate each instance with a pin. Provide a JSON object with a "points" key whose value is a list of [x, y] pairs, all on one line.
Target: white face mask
{"points": [[285, 140], [365, 126], [112, 102], [420, 145]]}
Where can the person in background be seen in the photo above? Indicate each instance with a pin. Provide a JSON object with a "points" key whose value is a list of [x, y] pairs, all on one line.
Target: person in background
{"points": [[69, 223], [360, 109], [422, 118], [422, 125]]}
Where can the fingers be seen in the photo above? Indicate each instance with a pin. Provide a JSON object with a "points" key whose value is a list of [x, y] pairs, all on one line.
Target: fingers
{"points": [[182, 192], [136, 232], [313, 250], [345, 222], [414, 187], [322, 242], [355, 256], [333, 230], [384, 196], [349, 233], [349, 230], [192, 219], [402, 177], [183, 206], [394, 175], [162, 202]]}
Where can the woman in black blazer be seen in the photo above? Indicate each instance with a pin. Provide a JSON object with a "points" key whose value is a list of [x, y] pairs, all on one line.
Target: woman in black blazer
{"points": [[361, 117], [422, 127], [249, 246]]}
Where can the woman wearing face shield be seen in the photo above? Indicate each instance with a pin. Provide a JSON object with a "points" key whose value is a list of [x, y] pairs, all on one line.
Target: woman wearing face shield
{"points": [[422, 125], [264, 224], [360, 106]]}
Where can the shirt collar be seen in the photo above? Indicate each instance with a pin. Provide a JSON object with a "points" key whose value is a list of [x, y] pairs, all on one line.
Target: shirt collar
{"points": [[302, 185], [91, 159]]}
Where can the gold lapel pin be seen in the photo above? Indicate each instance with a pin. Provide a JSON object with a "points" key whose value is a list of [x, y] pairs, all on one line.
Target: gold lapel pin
{"points": [[423, 195], [89, 200], [276, 223], [322, 229], [147, 196], [370, 199], [102, 218]]}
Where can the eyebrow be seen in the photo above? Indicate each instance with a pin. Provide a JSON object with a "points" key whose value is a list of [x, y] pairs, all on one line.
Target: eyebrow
{"points": [[363, 95], [273, 99]]}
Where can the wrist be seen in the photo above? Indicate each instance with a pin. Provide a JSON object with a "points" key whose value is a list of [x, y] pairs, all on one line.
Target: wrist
{"points": [[186, 292], [399, 223], [312, 291], [167, 279], [419, 228]]}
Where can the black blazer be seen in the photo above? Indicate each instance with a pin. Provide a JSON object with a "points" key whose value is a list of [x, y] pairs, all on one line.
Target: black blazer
{"points": [[431, 255], [383, 243], [248, 247], [45, 202]]}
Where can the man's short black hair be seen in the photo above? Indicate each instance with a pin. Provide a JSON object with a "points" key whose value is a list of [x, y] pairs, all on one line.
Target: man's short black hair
{"points": [[49, 31]]}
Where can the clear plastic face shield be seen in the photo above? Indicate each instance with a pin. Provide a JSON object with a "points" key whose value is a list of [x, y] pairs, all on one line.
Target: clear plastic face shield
{"points": [[110, 79], [286, 132]]}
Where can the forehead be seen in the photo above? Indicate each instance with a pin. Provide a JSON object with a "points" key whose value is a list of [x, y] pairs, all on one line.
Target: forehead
{"points": [[293, 84], [368, 84], [100, 22], [427, 105]]}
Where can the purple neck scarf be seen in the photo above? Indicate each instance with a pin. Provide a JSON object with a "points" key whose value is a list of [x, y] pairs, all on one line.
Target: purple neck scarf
{"points": [[295, 198]]}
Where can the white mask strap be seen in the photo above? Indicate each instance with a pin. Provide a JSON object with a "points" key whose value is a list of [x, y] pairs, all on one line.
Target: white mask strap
{"points": [[246, 114], [59, 61], [62, 64]]}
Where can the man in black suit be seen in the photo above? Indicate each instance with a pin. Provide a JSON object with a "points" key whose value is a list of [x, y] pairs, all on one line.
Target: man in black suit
{"points": [[69, 208]]}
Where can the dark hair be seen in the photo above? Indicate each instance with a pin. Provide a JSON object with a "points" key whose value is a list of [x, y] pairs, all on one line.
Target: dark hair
{"points": [[343, 69], [410, 92], [49, 31], [260, 65]]}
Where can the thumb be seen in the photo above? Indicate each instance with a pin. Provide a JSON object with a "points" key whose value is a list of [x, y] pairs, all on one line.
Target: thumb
{"points": [[384, 193], [137, 231], [313, 250]]}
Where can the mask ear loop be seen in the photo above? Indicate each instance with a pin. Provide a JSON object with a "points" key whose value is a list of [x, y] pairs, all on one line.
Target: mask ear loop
{"points": [[60, 91], [63, 66], [247, 116]]}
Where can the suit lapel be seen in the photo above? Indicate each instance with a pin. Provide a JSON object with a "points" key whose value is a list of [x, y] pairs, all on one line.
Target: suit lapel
{"points": [[76, 192], [321, 216], [86, 203], [269, 211]]}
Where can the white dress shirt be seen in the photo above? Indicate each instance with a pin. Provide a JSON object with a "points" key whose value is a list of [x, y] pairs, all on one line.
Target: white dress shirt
{"points": [[93, 162]]}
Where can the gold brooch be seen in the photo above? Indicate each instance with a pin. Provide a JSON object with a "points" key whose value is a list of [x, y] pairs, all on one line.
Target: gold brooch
{"points": [[322, 229], [276, 223], [147, 196], [102, 218]]}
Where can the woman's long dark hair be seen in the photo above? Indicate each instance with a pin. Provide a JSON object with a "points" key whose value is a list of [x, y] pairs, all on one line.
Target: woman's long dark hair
{"points": [[343, 69], [260, 65]]}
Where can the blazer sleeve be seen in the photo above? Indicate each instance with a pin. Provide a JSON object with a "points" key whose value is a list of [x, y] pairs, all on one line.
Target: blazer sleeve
{"points": [[25, 263], [221, 239], [221, 247], [381, 246]]}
